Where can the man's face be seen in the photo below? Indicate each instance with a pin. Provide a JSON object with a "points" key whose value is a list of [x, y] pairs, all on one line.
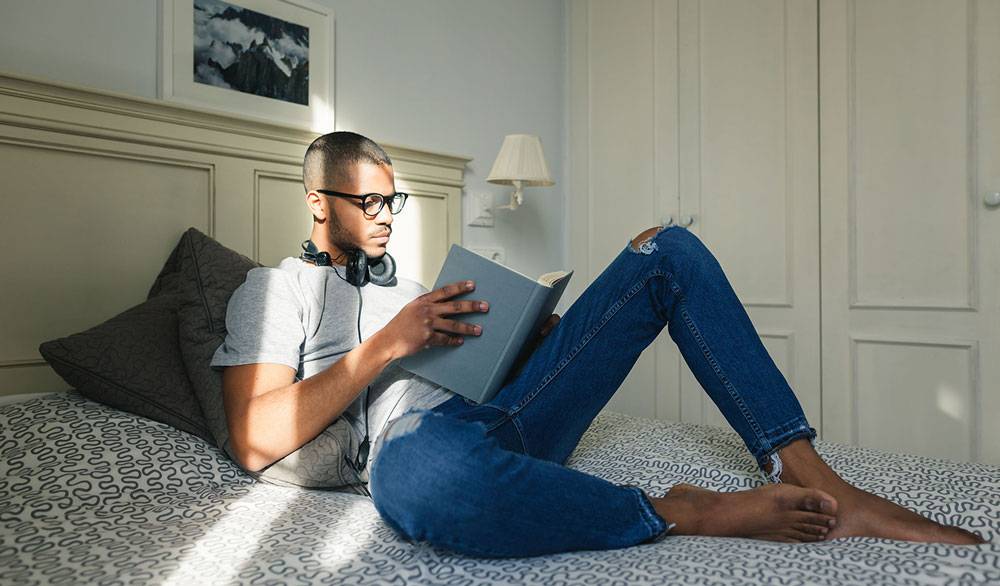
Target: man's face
{"points": [[349, 227]]}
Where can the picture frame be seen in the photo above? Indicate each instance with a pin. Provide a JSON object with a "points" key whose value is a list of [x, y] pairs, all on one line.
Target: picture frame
{"points": [[182, 79]]}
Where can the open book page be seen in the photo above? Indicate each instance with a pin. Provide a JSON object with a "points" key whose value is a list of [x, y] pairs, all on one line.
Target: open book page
{"points": [[550, 279]]}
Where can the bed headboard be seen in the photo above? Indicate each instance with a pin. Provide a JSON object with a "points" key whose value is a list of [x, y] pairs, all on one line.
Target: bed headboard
{"points": [[98, 187]]}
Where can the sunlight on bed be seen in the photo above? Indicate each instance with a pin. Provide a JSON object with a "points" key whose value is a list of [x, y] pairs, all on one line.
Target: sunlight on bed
{"points": [[341, 550], [258, 527], [234, 535]]}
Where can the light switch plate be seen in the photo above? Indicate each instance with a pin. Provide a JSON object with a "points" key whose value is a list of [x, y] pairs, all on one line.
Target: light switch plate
{"points": [[479, 212], [494, 253]]}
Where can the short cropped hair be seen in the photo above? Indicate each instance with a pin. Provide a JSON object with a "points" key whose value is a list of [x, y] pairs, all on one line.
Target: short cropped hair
{"points": [[329, 159]]}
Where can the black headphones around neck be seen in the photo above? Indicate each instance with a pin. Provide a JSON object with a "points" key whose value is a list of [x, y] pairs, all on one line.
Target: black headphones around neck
{"points": [[359, 270]]}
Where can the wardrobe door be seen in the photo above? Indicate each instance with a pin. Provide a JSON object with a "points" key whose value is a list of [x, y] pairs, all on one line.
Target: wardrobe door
{"points": [[622, 79], [748, 173], [703, 113], [910, 121]]}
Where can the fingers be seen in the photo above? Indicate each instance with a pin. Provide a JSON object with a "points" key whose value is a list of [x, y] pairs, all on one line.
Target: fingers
{"points": [[454, 326], [442, 339], [549, 324], [449, 291], [449, 332], [442, 331], [438, 303], [463, 306]]}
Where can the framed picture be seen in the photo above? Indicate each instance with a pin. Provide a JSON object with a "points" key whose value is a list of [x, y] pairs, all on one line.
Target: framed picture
{"points": [[265, 59]]}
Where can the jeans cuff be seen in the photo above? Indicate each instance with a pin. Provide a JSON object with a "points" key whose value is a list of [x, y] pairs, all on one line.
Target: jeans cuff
{"points": [[657, 526], [773, 456]]}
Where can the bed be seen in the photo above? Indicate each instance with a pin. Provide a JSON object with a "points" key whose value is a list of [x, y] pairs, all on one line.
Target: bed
{"points": [[120, 481], [97, 495]]}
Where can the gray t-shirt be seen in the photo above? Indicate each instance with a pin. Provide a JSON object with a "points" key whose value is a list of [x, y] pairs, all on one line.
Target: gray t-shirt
{"points": [[306, 317]]}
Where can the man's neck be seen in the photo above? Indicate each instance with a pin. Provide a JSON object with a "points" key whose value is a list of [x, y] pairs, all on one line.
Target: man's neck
{"points": [[323, 244]]}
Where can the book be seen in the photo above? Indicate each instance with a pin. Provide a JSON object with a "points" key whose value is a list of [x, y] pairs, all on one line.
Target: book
{"points": [[519, 307]]}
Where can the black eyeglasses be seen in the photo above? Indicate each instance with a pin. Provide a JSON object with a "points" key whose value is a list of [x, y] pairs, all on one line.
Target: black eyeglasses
{"points": [[372, 203]]}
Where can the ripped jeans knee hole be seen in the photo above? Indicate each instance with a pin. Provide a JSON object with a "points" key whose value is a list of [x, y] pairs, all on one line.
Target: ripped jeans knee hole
{"points": [[645, 244]]}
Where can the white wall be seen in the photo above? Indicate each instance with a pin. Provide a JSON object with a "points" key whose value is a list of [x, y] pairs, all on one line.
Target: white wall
{"points": [[448, 75]]}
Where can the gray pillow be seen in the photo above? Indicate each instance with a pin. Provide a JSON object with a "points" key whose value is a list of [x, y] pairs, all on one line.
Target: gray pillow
{"points": [[209, 274], [133, 362]]}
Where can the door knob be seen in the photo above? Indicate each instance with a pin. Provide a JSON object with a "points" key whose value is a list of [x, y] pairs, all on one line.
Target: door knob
{"points": [[992, 199], [687, 221], [666, 220]]}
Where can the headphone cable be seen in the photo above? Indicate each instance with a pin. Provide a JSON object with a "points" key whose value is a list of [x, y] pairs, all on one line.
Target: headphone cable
{"points": [[362, 458]]}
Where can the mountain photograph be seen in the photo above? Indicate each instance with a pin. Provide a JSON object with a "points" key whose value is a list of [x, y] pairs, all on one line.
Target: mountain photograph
{"points": [[250, 52]]}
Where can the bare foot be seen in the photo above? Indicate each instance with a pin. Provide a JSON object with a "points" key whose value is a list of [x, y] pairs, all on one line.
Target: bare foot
{"points": [[862, 514], [865, 514], [777, 512]]}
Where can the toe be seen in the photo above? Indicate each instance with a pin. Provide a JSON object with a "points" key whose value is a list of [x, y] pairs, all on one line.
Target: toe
{"points": [[819, 502], [803, 536], [817, 520], [811, 529]]}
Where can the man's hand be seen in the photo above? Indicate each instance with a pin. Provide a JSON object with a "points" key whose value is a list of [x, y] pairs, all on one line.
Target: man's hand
{"points": [[421, 323], [546, 328]]}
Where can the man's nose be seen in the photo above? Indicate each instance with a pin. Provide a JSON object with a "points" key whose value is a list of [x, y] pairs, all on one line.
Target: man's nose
{"points": [[384, 216]]}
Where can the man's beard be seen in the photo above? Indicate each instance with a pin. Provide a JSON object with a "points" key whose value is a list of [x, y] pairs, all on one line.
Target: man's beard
{"points": [[342, 239]]}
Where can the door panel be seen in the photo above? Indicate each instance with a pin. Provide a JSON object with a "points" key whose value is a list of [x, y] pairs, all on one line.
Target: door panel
{"points": [[749, 174], [623, 156], [909, 248], [707, 109]]}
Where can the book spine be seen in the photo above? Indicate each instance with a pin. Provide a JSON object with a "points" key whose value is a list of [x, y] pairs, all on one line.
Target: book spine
{"points": [[517, 339]]}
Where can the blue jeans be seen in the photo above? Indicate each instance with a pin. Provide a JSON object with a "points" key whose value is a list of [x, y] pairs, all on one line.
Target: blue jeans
{"points": [[489, 479]]}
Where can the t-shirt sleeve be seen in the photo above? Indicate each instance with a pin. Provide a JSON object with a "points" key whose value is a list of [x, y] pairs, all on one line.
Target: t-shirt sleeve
{"points": [[264, 322]]}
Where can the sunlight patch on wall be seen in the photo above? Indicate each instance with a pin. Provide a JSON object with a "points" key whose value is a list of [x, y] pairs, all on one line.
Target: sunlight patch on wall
{"points": [[323, 118], [950, 402], [408, 245]]}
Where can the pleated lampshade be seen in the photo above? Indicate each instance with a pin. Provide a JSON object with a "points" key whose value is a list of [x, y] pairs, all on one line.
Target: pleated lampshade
{"points": [[520, 163], [521, 159]]}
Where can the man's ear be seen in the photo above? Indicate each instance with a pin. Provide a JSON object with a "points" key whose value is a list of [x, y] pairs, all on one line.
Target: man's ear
{"points": [[317, 205]]}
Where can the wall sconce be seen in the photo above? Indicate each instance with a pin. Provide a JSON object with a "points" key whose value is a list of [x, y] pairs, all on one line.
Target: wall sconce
{"points": [[520, 163]]}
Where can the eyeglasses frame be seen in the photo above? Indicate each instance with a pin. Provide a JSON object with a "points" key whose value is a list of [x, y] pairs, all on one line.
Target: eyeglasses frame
{"points": [[364, 200]]}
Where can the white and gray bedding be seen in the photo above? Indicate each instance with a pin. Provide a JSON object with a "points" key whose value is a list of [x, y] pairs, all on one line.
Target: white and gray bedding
{"points": [[90, 494]]}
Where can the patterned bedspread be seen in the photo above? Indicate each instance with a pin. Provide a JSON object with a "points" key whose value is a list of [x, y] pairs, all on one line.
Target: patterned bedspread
{"points": [[89, 494]]}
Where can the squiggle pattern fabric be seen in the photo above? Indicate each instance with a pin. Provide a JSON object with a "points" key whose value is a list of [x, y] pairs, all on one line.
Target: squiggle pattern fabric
{"points": [[93, 495]]}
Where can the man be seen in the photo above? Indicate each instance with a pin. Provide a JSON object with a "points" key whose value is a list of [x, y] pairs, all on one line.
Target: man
{"points": [[306, 347]]}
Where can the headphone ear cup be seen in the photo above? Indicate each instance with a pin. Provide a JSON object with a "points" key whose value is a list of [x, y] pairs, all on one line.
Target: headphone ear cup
{"points": [[308, 251], [357, 267], [382, 272]]}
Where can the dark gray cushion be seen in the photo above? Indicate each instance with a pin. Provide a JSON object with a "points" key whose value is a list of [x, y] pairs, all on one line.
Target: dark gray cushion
{"points": [[133, 362], [209, 274], [153, 360]]}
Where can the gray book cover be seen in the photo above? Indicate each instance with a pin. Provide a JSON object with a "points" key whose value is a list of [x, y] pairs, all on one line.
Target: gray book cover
{"points": [[518, 308]]}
